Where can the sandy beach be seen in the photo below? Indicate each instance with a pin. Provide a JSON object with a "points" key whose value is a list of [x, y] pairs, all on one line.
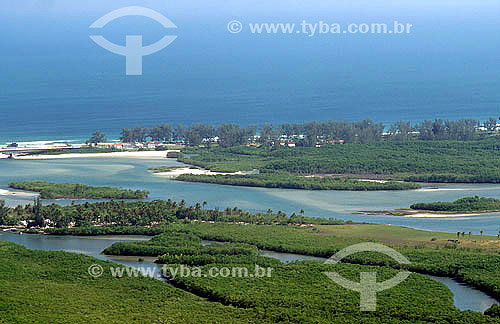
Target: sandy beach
{"points": [[441, 189], [419, 213], [432, 215], [4, 192], [125, 154], [180, 171]]}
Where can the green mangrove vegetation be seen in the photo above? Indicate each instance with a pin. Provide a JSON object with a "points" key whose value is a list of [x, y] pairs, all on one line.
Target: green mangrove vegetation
{"points": [[299, 292], [49, 190], [472, 161], [477, 267], [467, 204], [34, 282], [40, 286], [287, 181]]}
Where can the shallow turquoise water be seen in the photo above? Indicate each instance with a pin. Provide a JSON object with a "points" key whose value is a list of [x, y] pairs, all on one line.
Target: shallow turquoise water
{"points": [[132, 173]]}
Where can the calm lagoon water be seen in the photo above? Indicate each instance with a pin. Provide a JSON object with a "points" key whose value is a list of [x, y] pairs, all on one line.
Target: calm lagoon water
{"points": [[133, 173]]}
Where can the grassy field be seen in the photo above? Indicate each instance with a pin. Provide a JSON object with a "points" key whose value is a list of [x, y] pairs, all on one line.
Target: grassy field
{"points": [[403, 235]]}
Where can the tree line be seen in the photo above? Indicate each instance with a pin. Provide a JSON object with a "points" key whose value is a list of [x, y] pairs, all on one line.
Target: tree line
{"points": [[141, 213], [310, 133], [194, 135]]}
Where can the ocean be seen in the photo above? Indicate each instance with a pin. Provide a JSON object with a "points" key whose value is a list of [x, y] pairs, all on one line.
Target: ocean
{"points": [[58, 84]]}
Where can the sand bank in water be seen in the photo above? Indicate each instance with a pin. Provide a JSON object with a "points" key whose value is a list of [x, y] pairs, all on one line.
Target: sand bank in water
{"points": [[180, 171], [125, 154]]}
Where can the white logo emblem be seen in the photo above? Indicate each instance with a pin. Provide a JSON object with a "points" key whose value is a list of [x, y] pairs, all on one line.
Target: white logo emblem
{"points": [[133, 50], [368, 285]]}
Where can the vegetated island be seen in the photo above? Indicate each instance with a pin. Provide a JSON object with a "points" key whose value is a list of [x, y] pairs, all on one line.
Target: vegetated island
{"points": [[466, 206], [287, 181], [436, 161], [49, 190], [281, 180]]}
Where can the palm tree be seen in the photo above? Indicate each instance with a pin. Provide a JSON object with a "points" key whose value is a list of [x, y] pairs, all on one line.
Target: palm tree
{"points": [[481, 231]]}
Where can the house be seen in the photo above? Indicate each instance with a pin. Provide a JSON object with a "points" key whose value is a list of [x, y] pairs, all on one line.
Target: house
{"points": [[128, 146]]}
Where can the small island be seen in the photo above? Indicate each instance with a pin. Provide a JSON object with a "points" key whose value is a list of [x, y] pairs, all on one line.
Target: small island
{"points": [[466, 206], [49, 190], [288, 181], [474, 204]]}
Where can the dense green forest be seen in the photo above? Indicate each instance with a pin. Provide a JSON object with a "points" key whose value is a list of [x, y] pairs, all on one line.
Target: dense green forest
{"points": [[287, 181], [421, 161], [142, 213], [466, 204], [55, 287], [49, 190], [34, 284], [298, 292], [475, 267]]}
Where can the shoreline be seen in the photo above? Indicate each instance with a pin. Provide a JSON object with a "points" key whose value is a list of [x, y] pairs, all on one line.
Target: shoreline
{"points": [[409, 213], [124, 154], [187, 170], [5, 192]]}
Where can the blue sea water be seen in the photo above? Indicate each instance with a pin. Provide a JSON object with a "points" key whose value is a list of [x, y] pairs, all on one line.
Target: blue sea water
{"points": [[56, 83]]}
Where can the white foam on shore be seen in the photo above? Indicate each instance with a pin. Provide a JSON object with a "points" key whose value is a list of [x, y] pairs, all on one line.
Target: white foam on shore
{"points": [[43, 143]]}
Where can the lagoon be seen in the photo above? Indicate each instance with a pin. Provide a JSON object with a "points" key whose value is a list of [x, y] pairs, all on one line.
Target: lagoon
{"points": [[132, 173]]}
